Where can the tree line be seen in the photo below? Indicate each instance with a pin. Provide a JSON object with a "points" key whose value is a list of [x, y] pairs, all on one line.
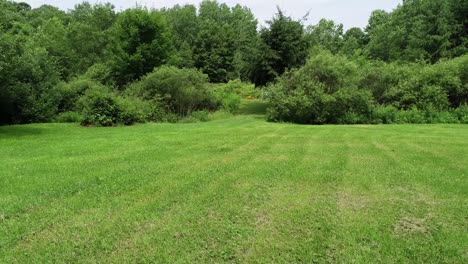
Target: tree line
{"points": [[101, 67]]}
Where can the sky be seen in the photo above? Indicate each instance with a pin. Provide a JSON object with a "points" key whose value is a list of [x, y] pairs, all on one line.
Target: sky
{"points": [[351, 13]]}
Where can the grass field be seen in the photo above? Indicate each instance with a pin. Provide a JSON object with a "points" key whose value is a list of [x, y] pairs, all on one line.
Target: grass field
{"points": [[234, 190]]}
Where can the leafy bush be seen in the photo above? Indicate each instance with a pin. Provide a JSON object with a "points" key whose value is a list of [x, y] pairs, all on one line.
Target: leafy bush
{"points": [[333, 89], [462, 113], [202, 116], [132, 111], [182, 91], [391, 115], [68, 94], [101, 73], [100, 108], [323, 91], [230, 102], [384, 115], [69, 117], [411, 116], [240, 88], [435, 87]]}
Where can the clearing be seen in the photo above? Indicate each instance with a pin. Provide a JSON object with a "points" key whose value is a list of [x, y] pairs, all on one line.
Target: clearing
{"points": [[234, 190]]}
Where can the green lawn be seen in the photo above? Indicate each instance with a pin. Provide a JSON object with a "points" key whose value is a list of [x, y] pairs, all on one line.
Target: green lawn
{"points": [[234, 190]]}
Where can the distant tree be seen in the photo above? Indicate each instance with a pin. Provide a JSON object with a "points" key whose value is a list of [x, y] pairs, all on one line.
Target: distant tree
{"points": [[22, 6], [327, 35], [286, 47], [246, 41], [419, 31], [52, 36], [141, 41], [354, 41], [37, 16], [88, 33], [183, 22], [214, 50], [27, 75], [215, 41]]}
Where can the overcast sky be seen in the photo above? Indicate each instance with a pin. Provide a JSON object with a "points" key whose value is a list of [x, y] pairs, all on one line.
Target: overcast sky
{"points": [[352, 13]]}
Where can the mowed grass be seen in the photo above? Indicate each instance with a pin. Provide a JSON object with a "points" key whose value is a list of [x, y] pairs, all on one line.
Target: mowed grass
{"points": [[234, 190]]}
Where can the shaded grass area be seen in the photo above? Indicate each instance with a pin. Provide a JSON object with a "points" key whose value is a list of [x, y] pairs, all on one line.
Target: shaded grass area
{"points": [[234, 190]]}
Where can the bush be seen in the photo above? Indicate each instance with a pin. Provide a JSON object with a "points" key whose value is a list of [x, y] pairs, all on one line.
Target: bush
{"points": [[391, 115], [69, 117], [100, 108], [68, 94], [384, 115], [240, 88], [202, 116], [411, 116], [427, 87], [182, 91], [132, 111], [100, 73], [323, 91], [333, 89], [462, 113], [230, 102]]}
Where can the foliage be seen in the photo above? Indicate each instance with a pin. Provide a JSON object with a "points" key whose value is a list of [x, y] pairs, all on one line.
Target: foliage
{"points": [[67, 95], [101, 107], [323, 91], [326, 34], [68, 117], [197, 116], [27, 75], [182, 91], [413, 57], [285, 47], [334, 89], [141, 41], [419, 30]]}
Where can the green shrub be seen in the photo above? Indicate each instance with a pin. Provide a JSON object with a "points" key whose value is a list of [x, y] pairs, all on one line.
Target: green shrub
{"points": [[182, 91], [240, 88], [100, 73], [132, 111], [100, 108], [171, 118], [384, 115], [411, 116], [68, 94], [202, 116], [323, 91], [462, 113], [69, 117], [230, 102]]}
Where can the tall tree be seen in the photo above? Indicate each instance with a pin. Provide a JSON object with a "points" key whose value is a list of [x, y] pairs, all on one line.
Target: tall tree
{"points": [[286, 47], [246, 41], [419, 30], [88, 33], [183, 22], [327, 35], [215, 42], [141, 42]]}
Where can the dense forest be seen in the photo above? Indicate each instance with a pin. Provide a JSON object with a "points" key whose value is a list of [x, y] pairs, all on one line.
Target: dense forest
{"points": [[100, 67]]}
